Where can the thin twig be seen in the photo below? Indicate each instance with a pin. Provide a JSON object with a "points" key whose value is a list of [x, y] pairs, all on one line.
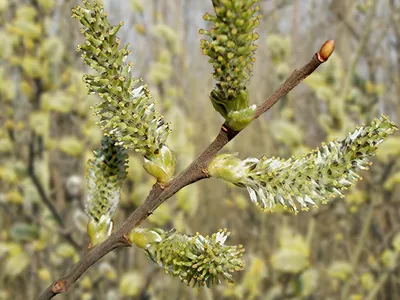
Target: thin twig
{"points": [[196, 171], [377, 287], [296, 77], [42, 193], [360, 247], [38, 185]]}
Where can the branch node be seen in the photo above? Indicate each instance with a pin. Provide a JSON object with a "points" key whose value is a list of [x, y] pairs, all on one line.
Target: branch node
{"points": [[126, 240], [60, 286], [205, 171], [162, 185]]}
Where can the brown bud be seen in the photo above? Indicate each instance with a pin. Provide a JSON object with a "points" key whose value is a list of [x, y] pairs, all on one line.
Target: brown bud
{"points": [[60, 286], [326, 50]]}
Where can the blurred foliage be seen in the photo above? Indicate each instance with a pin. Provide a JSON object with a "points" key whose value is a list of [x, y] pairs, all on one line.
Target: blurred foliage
{"points": [[345, 250]]}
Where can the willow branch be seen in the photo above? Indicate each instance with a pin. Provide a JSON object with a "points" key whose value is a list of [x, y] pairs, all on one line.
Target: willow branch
{"points": [[196, 171], [296, 77]]}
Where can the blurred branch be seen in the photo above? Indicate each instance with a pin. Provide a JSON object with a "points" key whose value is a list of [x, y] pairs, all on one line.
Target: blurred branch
{"points": [[196, 171], [360, 244], [150, 276], [349, 26], [281, 5], [381, 281], [39, 187], [357, 53]]}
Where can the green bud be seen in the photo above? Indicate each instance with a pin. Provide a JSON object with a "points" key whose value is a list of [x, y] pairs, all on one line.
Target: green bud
{"points": [[100, 231], [161, 165], [239, 119], [143, 237], [228, 167]]}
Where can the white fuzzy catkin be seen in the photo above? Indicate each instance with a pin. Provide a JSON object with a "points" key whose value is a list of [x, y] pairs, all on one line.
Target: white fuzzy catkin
{"points": [[309, 180]]}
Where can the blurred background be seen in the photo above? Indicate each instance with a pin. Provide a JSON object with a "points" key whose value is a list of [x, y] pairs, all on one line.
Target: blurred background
{"points": [[347, 249]]}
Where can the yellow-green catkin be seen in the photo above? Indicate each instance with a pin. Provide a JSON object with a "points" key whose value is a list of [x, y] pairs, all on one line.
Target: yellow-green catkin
{"points": [[309, 180], [126, 112], [106, 173], [230, 46], [197, 260]]}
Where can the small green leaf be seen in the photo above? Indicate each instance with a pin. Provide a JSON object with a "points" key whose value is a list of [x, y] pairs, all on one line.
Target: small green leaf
{"points": [[14, 197], [32, 66]]}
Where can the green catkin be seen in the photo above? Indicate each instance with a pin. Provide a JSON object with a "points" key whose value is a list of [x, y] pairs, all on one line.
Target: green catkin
{"points": [[312, 179], [126, 112], [106, 173], [230, 47], [195, 260]]}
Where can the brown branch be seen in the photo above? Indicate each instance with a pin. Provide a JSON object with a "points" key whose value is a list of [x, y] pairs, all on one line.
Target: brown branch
{"points": [[196, 171], [296, 77]]}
